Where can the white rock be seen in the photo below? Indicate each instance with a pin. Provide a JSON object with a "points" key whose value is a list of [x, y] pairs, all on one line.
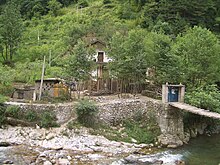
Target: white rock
{"points": [[47, 163], [69, 157], [63, 162]]}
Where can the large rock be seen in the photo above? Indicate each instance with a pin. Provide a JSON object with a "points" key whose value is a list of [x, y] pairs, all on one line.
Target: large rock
{"points": [[170, 141]]}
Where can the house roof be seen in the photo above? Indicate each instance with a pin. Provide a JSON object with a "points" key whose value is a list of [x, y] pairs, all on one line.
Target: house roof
{"points": [[51, 80]]}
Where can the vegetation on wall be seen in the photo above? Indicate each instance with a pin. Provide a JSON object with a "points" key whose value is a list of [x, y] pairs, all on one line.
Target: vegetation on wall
{"points": [[14, 115], [86, 111]]}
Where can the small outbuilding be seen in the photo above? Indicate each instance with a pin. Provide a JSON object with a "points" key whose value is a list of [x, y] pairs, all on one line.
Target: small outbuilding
{"points": [[51, 87], [22, 92]]}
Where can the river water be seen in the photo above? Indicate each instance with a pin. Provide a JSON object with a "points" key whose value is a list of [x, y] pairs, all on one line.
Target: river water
{"points": [[203, 150]]}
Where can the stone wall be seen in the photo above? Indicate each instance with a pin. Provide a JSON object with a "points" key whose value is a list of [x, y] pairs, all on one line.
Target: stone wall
{"points": [[63, 112], [113, 112], [168, 119]]}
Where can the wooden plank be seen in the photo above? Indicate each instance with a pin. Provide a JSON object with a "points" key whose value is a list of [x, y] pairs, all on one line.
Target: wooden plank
{"points": [[195, 110]]}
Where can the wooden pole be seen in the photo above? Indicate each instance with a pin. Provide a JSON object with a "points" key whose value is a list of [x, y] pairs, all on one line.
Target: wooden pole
{"points": [[38, 36], [42, 79]]}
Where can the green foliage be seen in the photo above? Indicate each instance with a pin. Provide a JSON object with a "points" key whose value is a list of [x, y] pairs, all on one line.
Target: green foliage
{"points": [[142, 135], [206, 97], [2, 99], [13, 111], [179, 14], [130, 57], [6, 78], [106, 1], [73, 124], [198, 53], [54, 6], [86, 111], [80, 62], [83, 3], [31, 116], [45, 119], [10, 30], [48, 119]]}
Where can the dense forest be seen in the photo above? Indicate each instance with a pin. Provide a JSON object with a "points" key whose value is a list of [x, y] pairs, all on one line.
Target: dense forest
{"points": [[178, 39]]}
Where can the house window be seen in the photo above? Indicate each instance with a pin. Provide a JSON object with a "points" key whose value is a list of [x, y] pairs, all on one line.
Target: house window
{"points": [[100, 56]]}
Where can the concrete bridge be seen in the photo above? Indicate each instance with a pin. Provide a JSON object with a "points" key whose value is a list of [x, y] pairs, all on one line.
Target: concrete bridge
{"points": [[195, 110], [171, 119]]}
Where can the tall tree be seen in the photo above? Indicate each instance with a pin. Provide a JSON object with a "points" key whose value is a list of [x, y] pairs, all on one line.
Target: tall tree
{"points": [[11, 30], [130, 58], [80, 64], [180, 13], [198, 51]]}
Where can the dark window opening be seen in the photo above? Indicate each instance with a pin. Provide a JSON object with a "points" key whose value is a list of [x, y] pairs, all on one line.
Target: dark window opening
{"points": [[100, 56]]}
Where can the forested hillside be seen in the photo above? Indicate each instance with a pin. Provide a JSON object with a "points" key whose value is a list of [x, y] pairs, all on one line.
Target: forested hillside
{"points": [[179, 39]]}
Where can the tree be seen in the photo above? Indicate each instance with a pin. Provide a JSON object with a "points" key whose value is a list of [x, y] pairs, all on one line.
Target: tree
{"points": [[54, 6], [80, 64], [130, 58], [11, 30], [180, 13], [163, 62], [198, 52]]}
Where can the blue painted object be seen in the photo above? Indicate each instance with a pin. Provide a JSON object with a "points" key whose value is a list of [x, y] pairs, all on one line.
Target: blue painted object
{"points": [[173, 94]]}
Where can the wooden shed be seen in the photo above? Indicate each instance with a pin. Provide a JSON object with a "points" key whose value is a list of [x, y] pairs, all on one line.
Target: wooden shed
{"points": [[52, 87]]}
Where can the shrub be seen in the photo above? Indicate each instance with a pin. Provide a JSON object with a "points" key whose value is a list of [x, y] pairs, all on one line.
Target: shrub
{"points": [[48, 119], [207, 97], [86, 112], [141, 134], [2, 99], [13, 111], [83, 3], [31, 116]]}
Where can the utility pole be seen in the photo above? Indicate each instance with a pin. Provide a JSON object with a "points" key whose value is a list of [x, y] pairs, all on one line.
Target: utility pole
{"points": [[42, 79], [38, 36]]}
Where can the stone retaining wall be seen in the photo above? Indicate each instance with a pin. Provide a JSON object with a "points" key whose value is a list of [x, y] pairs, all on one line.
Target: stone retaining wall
{"points": [[63, 112], [113, 112]]}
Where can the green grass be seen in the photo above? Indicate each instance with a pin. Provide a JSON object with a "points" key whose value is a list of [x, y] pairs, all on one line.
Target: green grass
{"points": [[129, 131]]}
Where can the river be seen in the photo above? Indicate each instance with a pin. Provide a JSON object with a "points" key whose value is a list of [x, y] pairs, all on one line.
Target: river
{"points": [[203, 150]]}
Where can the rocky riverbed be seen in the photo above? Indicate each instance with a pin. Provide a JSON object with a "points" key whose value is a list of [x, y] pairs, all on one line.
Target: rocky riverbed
{"points": [[61, 146]]}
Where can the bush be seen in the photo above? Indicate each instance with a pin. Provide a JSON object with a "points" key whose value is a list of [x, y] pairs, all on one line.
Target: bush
{"points": [[141, 134], [2, 99], [207, 97], [31, 116], [13, 111], [48, 119], [83, 3], [86, 112]]}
